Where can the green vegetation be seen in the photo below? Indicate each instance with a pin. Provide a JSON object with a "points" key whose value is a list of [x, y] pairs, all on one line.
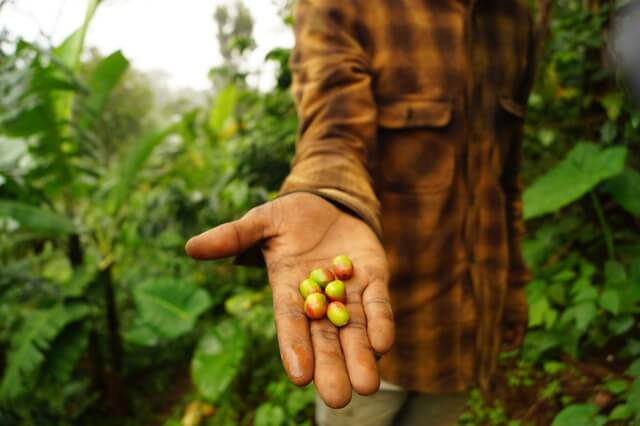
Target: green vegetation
{"points": [[103, 316]]}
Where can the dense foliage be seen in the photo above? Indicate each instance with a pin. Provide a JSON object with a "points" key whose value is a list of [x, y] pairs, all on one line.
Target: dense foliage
{"points": [[103, 316]]}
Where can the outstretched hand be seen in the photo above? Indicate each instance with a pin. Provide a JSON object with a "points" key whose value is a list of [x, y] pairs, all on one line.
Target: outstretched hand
{"points": [[300, 232]]}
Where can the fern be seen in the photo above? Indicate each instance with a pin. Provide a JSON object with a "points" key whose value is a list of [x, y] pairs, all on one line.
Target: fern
{"points": [[30, 344]]}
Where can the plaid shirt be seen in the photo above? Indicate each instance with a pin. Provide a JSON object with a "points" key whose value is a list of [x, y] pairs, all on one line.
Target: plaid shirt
{"points": [[411, 116]]}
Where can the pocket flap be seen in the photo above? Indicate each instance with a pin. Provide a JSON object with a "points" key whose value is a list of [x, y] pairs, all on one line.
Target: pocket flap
{"points": [[513, 107], [415, 113]]}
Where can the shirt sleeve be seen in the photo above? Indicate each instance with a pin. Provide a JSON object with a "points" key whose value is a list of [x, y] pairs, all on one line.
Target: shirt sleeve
{"points": [[516, 308], [331, 87]]}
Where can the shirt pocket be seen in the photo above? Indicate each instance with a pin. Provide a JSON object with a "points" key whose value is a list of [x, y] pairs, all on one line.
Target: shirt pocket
{"points": [[416, 150]]}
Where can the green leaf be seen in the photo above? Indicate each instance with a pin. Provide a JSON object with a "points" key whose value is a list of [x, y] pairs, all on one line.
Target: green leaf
{"points": [[620, 325], [620, 412], [170, 307], [105, 77], [610, 301], [269, 414], [65, 353], [613, 102], [633, 400], [30, 344], [616, 386], [625, 189], [584, 167], [68, 53], [585, 313], [35, 219], [242, 302], [137, 156], [218, 358], [223, 109], [634, 369], [579, 414]]}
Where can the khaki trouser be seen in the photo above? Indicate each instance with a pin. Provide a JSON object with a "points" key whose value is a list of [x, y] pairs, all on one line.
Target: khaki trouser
{"points": [[394, 406]]}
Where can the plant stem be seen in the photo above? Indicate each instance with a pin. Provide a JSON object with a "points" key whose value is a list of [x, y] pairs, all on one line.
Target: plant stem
{"points": [[606, 230]]}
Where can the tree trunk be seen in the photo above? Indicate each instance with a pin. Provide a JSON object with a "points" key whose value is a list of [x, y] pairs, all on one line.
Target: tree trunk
{"points": [[116, 398]]}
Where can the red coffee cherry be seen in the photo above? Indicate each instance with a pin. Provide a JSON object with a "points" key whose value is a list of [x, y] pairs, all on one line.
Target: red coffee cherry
{"points": [[322, 276], [343, 267], [308, 287], [315, 305], [338, 314], [336, 291]]}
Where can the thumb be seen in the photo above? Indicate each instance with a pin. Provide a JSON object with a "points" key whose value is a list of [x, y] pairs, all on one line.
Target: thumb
{"points": [[231, 238]]}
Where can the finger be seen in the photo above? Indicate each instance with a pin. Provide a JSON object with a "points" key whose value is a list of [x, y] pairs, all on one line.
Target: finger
{"points": [[358, 353], [379, 316], [230, 239], [330, 377], [292, 328]]}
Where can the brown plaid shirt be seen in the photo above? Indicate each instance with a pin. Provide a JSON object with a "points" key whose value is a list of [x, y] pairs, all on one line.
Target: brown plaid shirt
{"points": [[411, 115]]}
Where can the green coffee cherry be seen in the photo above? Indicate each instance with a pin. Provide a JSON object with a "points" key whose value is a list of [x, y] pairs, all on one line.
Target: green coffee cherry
{"points": [[308, 287], [336, 291], [338, 314], [342, 267], [322, 276], [315, 305]]}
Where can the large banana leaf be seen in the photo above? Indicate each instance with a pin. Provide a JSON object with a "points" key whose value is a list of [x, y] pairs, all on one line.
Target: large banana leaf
{"points": [[218, 358], [104, 78], [36, 219], [138, 154], [169, 307], [584, 167], [30, 344], [68, 53]]}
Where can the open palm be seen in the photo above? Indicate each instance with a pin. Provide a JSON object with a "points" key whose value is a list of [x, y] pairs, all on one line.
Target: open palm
{"points": [[300, 232]]}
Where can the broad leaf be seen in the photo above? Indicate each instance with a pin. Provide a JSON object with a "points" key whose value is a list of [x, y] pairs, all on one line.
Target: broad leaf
{"points": [[610, 301], [105, 77], [29, 345], [579, 414], [131, 166], [68, 53], [218, 358], [584, 167], [170, 307], [35, 219], [625, 189]]}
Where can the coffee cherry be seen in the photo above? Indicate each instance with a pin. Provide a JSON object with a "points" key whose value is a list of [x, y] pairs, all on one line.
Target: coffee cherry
{"points": [[336, 291], [338, 314], [308, 287], [342, 267], [315, 305], [322, 276]]}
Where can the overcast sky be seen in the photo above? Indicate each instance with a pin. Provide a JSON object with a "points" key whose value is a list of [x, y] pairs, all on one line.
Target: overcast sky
{"points": [[173, 36]]}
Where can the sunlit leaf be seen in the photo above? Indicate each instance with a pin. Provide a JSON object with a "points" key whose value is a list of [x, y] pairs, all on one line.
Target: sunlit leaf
{"points": [[223, 109], [584, 167]]}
